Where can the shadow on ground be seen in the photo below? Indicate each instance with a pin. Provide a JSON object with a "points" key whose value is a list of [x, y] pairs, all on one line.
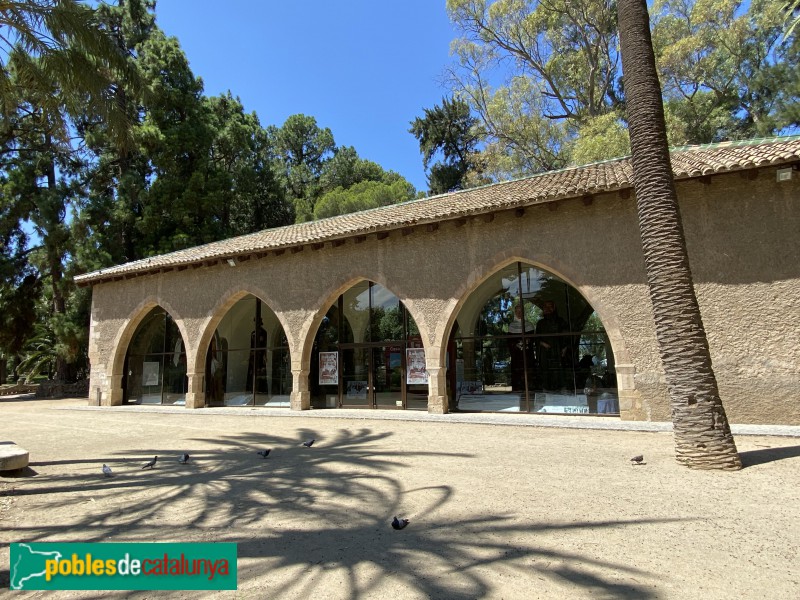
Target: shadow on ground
{"points": [[315, 512], [751, 458]]}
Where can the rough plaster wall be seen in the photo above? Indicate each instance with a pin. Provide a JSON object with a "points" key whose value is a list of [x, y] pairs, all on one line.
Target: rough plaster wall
{"points": [[594, 247], [745, 254]]}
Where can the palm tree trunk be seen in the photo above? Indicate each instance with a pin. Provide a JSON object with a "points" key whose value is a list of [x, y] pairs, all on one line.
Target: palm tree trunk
{"points": [[703, 437]]}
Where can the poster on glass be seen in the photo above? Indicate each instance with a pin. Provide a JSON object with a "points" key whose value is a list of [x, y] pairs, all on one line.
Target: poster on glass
{"points": [[328, 368], [416, 371]]}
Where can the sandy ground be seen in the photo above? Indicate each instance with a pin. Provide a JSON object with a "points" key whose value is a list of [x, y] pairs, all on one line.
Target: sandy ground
{"points": [[496, 511]]}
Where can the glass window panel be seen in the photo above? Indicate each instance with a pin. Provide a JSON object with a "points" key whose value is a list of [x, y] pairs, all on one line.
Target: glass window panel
{"points": [[149, 336], [328, 333], [417, 397], [356, 313], [216, 359], [150, 378], [489, 309], [175, 380], [279, 382], [386, 318], [238, 389], [525, 332], [255, 362], [237, 324], [173, 342]]}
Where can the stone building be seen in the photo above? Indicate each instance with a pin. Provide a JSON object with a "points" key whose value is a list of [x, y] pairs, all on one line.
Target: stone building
{"points": [[523, 296]]}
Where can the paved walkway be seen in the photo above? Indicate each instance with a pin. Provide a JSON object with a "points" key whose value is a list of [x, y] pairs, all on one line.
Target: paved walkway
{"points": [[516, 419]]}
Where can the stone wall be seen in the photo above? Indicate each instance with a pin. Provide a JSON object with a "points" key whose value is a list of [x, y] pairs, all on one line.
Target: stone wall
{"points": [[59, 389], [742, 240]]}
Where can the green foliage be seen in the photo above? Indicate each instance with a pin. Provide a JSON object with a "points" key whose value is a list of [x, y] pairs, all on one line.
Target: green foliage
{"points": [[448, 130], [599, 138], [545, 79], [791, 9], [39, 354], [59, 53], [723, 70], [111, 152], [362, 196]]}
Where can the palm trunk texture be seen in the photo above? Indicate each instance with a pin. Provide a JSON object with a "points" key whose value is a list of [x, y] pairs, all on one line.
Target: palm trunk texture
{"points": [[703, 437]]}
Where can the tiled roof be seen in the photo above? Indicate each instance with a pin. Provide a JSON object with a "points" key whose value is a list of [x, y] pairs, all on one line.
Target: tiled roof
{"points": [[607, 176]]}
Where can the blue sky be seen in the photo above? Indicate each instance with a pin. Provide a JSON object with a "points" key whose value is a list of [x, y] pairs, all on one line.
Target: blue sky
{"points": [[365, 69]]}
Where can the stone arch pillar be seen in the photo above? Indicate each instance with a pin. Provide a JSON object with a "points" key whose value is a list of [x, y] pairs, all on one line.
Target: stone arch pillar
{"points": [[437, 382], [300, 398], [196, 390]]}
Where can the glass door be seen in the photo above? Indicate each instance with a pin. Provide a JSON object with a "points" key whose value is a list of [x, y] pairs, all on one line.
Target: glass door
{"points": [[355, 377], [387, 373]]}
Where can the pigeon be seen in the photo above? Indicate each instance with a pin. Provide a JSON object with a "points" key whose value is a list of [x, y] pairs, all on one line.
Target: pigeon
{"points": [[150, 464], [264, 453], [309, 443], [399, 523], [637, 460], [184, 458], [107, 471]]}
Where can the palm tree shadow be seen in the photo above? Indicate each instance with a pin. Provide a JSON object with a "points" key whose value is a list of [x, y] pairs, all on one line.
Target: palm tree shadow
{"points": [[318, 512], [751, 458]]}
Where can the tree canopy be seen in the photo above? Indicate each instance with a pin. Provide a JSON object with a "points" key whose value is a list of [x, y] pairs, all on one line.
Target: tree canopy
{"points": [[544, 77], [110, 152]]}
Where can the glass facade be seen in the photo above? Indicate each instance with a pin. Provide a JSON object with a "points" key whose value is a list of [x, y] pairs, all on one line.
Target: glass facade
{"points": [[527, 341], [155, 366], [368, 353], [247, 362]]}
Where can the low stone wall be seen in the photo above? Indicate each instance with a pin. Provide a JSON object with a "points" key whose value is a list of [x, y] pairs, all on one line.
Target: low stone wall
{"points": [[20, 388], [59, 389]]}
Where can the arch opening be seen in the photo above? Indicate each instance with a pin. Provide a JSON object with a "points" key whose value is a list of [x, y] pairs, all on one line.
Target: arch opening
{"points": [[368, 353], [247, 360], [155, 362], [527, 341]]}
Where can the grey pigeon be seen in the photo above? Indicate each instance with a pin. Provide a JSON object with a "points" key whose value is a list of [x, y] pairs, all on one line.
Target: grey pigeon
{"points": [[637, 460], [107, 471], [309, 443], [184, 458], [399, 523], [264, 453], [150, 464]]}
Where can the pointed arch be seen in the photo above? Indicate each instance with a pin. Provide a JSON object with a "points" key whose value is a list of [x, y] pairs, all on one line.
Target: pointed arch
{"points": [[132, 322], [551, 264], [232, 336], [527, 365], [369, 342], [127, 336]]}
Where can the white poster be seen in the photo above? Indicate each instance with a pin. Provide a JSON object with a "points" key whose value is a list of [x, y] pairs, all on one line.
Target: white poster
{"points": [[328, 368], [150, 373], [415, 366]]}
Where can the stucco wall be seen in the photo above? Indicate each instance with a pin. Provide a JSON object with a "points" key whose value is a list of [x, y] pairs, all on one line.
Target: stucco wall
{"points": [[741, 236]]}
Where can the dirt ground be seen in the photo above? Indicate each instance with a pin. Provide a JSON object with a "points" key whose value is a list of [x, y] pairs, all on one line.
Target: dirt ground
{"points": [[496, 511]]}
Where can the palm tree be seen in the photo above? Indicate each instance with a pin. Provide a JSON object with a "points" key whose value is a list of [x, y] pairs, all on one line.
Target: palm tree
{"points": [[59, 44], [792, 10], [703, 437], [57, 64]]}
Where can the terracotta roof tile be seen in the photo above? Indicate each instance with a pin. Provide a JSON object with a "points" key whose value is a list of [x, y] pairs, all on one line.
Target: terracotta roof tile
{"points": [[611, 175]]}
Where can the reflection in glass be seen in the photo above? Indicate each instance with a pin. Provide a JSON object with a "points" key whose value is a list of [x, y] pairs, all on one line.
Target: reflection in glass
{"points": [[369, 329], [248, 363], [156, 362], [527, 341]]}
